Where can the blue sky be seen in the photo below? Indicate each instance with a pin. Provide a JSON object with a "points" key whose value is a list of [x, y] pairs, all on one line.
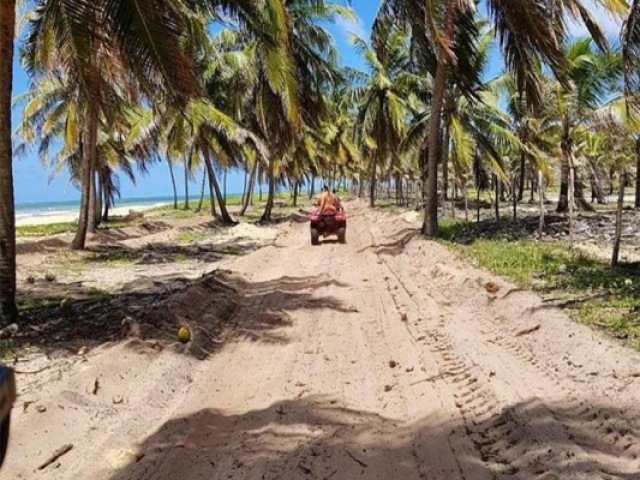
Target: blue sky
{"points": [[34, 182]]}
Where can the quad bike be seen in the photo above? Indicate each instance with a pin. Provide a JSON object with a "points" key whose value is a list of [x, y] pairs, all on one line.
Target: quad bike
{"points": [[7, 397], [328, 223]]}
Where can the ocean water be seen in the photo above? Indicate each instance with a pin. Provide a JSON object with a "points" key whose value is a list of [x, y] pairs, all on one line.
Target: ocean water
{"points": [[44, 210]]}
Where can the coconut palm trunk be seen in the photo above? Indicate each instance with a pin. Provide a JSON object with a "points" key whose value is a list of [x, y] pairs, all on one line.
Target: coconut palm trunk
{"points": [[446, 127], [563, 201], [173, 184], [245, 184], [465, 190], [430, 225], [565, 169], [202, 190], [224, 185], [212, 200], [107, 204], [374, 183], [312, 187], [597, 192], [523, 163], [93, 205], [224, 214], [99, 195], [496, 183], [249, 188], [88, 164], [541, 206], [296, 186], [615, 256], [514, 198], [186, 184], [105, 199], [266, 216], [8, 310], [534, 185], [399, 193], [637, 202]]}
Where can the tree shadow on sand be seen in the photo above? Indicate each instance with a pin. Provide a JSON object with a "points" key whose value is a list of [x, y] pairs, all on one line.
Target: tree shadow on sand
{"points": [[399, 243], [218, 307], [314, 437], [170, 252], [107, 235]]}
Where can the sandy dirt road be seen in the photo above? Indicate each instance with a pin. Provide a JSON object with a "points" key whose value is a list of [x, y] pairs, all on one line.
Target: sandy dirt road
{"points": [[386, 358]]}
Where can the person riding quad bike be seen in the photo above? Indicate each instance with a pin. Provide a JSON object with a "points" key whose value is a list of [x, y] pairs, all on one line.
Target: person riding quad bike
{"points": [[326, 201], [336, 202], [329, 218]]}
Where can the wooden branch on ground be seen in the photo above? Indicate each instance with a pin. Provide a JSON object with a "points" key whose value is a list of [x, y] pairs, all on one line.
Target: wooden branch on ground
{"points": [[56, 455]]}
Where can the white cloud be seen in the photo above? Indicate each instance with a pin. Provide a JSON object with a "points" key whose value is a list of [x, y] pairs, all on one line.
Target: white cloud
{"points": [[352, 26], [609, 24]]}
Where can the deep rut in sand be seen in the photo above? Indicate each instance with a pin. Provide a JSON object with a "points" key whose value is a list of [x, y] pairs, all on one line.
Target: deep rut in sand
{"points": [[385, 358]]}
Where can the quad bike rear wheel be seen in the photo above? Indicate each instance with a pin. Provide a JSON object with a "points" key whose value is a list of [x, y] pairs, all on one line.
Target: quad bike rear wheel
{"points": [[4, 437], [342, 235], [314, 236]]}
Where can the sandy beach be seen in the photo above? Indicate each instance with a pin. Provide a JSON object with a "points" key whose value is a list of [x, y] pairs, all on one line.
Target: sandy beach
{"points": [[389, 357], [73, 217]]}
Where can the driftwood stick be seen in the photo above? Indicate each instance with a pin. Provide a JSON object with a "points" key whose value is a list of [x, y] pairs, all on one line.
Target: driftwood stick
{"points": [[527, 331], [359, 462], [56, 455]]}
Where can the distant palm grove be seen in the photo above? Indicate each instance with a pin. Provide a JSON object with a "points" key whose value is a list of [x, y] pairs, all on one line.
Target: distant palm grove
{"points": [[257, 85]]}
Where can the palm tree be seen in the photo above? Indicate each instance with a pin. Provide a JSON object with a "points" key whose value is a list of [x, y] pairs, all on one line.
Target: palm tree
{"points": [[143, 38], [8, 310], [626, 120], [202, 130], [173, 184], [631, 65], [383, 109], [288, 80], [529, 32], [592, 75], [51, 118], [631, 55], [337, 133], [620, 148]]}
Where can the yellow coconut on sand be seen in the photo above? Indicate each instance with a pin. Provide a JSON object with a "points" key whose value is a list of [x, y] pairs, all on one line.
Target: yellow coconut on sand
{"points": [[184, 334], [65, 304]]}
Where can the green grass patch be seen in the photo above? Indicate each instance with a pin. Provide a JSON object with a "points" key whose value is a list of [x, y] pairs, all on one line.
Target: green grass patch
{"points": [[232, 250], [7, 348], [192, 237], [116, 257], [594, 293], [116, 222], [97, 292], [27, 231], [180, 257], [32, 303], [34, 231]]}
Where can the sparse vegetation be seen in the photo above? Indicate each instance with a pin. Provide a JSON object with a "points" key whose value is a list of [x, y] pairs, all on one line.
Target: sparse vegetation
{"points": [[26, 231], [32, 303], [590, 289], [180, 257], [44, 230], [232, 250], [115, 257], [7, 347], [193, 237], [96, 292]]}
